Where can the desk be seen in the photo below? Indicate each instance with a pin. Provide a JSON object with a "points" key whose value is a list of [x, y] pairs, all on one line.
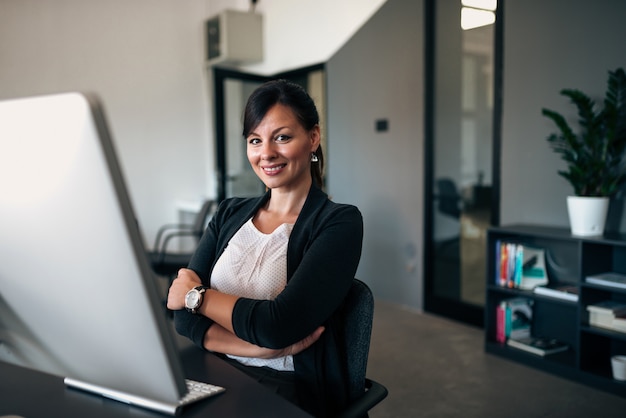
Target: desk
{"points": [[32, 394]]}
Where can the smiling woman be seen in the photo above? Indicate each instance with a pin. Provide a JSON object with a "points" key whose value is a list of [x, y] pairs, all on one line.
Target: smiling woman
{"points": [[268, 280]]}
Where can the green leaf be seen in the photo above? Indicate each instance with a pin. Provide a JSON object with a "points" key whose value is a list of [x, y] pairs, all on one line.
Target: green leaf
{"points": [[595, 154]]}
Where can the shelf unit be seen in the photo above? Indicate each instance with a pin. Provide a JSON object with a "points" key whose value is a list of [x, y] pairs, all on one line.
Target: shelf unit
{"points": [[569, 259]]}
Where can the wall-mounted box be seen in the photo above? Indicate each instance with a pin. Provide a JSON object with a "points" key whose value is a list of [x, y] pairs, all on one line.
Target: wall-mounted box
{"points": [[234, 37]]}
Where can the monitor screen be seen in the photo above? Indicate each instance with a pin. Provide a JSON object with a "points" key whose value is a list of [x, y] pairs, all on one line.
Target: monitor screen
{"points": [[77, 296]]}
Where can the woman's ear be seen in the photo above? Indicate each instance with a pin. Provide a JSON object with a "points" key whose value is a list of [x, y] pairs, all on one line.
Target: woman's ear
{"points": [[315, 138]]}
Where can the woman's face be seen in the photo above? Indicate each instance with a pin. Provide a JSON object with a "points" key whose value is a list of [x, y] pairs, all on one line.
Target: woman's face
{"points": [[279, 149]]}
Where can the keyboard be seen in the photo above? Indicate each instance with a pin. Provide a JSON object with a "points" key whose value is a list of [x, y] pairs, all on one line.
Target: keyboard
{"points": [[196, 391], [199, 390]]}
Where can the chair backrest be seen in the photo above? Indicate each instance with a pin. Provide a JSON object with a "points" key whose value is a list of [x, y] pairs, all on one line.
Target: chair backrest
{"points": [[449, 198], [200, 222], [358, 316]]}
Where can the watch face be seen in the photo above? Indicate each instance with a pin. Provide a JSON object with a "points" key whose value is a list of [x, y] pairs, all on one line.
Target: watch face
{"points": [[192, 299]]}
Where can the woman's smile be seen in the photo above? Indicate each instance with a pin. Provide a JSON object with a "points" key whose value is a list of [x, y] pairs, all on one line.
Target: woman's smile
{"points": [[274, 169]]}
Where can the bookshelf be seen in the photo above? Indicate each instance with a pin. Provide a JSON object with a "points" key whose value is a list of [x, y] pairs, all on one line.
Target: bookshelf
{"points": [[569, 259]]}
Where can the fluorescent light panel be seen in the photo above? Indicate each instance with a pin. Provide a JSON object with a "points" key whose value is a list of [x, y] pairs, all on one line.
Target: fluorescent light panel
{"points": [[474, 18]]}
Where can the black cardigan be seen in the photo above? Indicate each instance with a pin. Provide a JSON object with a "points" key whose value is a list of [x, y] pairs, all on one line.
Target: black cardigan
{"points": [[322, 258]]}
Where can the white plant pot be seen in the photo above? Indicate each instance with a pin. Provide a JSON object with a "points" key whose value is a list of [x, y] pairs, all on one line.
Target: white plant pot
{"points": [[587, 215]]}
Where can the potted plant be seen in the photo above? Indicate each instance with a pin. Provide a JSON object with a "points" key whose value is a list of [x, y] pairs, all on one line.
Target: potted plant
{"points": [[594, 156]]}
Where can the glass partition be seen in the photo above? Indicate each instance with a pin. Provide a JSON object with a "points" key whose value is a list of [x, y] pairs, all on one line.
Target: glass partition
{"points": [[461, 155]]}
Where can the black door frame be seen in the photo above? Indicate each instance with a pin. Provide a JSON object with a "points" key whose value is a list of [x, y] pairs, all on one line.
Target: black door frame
{"points": [[455, 309]]}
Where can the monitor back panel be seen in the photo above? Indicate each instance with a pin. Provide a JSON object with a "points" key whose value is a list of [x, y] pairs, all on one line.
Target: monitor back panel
{"points": [[77, 296]]}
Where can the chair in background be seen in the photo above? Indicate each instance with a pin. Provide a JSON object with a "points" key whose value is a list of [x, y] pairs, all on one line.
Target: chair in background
{"points": [[358, 316], [449, 199], [166, 262], [448, 250]]}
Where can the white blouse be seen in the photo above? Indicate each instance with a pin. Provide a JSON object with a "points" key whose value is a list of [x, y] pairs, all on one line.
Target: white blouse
{"points": [[254, 265]]}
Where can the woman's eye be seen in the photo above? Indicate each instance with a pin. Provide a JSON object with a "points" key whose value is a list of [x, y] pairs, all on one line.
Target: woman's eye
{"points": [[254, 141], [283, 138]]}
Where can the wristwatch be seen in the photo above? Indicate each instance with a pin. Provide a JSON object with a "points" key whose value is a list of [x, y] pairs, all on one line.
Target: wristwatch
{"points": [[193, 298]]}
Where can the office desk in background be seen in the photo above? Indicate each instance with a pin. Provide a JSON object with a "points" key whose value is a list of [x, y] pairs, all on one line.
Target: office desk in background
{"points": [[31, 394]]}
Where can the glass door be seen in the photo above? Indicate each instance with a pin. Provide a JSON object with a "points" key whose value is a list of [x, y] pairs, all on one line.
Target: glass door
{"points": [[235, 177], [460, 141], [240, 178]]}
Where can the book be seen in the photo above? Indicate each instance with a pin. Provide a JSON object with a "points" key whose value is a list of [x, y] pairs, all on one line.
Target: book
{"points": [[503, 272], [533, 268], [500, 322], [504, 263], [513, 318], [608, 279], [520, 266], [619, 324], [604, 314], [520, 315], [538, 345], [563, 291], [610, 307], [601, 320]]}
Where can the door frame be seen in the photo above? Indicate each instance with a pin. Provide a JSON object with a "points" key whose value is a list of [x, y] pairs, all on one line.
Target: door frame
{"points": [[455, 309]]}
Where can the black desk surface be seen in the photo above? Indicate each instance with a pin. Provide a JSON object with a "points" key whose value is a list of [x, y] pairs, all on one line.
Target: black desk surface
{"points": [[31, 394]]}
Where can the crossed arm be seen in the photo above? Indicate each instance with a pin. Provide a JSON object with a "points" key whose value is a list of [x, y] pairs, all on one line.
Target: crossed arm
{"points": [[220, 336], [323, 256]]}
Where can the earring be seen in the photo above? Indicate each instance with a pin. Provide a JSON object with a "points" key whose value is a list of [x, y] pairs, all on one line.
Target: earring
{"points": [[314, 158]]}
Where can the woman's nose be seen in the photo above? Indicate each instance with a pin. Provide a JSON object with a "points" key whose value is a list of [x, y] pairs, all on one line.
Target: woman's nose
{"points": [[268, 150]]}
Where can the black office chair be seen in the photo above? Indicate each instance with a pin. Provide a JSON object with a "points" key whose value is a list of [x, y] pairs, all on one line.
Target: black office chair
{"points": [[449, 199], [167, 263], [358, 316]]}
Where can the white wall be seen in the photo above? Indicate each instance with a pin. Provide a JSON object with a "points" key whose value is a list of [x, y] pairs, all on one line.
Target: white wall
{"points": [[145, 60], [548, 46], [298, 33], [142, 58]]}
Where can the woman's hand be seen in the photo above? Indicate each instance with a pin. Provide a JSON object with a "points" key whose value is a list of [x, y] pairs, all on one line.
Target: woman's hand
{"points": [[295, 348], [220, 340], [183, 283], [306, 342]]}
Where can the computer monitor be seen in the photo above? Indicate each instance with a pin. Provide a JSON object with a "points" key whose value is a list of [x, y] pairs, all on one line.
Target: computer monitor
{"points": [[77, 296]]}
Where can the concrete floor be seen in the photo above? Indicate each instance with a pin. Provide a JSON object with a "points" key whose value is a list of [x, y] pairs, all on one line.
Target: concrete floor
{"points": [[435, 367]]}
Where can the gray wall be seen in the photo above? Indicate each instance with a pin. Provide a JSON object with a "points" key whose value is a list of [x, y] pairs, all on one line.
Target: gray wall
{"points": [[379, 74], [548, 45]]}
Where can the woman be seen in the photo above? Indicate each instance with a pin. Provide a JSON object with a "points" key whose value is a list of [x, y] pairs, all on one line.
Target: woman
{"points": [[267, 281]]}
